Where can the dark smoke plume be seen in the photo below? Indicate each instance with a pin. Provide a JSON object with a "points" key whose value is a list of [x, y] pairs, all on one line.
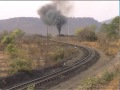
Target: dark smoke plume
{"points": [[64, 6], [52, 14]]}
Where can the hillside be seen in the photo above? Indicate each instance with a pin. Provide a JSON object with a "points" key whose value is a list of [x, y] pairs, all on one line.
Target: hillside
{"points": [[107, 21], [35, 25]]}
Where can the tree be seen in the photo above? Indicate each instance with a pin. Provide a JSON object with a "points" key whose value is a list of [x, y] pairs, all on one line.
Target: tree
{"points": [[11, 50], [104, 27], [17, 33], [112, 29], [92, 27], [5, 33], [7, 40], [86, 34]]}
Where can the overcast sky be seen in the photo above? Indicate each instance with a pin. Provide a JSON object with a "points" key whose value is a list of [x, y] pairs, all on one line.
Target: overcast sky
{"points": [[99, 10]]}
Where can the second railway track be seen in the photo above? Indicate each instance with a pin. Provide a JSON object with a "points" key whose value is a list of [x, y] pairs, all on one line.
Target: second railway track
{"points": [[89, 58]]}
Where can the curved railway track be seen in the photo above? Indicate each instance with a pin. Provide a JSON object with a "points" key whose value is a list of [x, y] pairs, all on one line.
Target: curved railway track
{"points": [[90, 56]]}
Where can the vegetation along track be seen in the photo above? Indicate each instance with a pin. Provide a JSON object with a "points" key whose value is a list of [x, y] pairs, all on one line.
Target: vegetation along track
{"points": [[89, 58]]}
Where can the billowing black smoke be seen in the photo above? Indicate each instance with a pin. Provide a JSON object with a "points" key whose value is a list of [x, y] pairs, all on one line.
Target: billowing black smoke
{"points": [[52, 14]]}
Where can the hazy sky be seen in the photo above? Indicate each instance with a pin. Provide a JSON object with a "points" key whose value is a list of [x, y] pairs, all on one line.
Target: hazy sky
{"points": [[99, 10]]}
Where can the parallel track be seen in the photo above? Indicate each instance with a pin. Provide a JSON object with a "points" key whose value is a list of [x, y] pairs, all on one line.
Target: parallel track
{"points": [[89, 57]]}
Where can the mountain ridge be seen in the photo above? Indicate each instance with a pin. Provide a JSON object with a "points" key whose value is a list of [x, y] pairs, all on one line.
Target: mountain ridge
{"points": [[33, 25]]}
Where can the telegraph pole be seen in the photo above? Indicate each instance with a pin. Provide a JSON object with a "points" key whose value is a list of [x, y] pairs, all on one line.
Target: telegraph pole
{"points": [[68, 30], [46, 56]]}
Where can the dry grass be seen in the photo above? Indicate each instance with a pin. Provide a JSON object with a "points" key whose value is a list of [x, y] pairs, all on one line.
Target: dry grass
{"points": [[110, 49], [105, 80], [91, 44], [113, 85], [3, 64], [39, 54]]}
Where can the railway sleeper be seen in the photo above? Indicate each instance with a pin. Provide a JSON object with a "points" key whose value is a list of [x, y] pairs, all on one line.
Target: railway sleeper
{"points": [[79, 66]]}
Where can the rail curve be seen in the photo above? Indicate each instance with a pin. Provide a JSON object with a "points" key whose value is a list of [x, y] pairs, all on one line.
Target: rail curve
{"points": [[89, 57]]}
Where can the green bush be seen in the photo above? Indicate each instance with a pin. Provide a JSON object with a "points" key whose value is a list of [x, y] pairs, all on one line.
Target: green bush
{"points": [[20, 65], [58, 54], [11, 50], [93, 82], [107, 76], [90, 82], [86, 34], [10, 38], [7, 40]]}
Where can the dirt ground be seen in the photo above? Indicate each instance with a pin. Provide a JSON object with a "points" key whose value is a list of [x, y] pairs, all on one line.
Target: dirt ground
{"points": [[103, 64], [21, 77]]}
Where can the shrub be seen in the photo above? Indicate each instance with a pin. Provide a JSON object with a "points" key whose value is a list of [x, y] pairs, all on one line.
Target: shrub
{"points": [[86, 35], [107, 76], [20, 65], [58, 54], [93, 82], [7, 40], [17, 33], [31, 87], [3, 34], [11, 50], [90, 82]]}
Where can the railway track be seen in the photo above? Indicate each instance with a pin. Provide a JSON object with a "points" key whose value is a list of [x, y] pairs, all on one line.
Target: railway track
{"points": [[89, 57]]}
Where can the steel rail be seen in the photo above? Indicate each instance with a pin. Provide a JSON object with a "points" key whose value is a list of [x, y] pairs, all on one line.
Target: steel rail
{"points": [[42, 80]]}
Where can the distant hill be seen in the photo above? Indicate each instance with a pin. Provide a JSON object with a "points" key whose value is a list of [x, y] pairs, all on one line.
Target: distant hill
{"points": [[107, 21], [35, 25]]}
